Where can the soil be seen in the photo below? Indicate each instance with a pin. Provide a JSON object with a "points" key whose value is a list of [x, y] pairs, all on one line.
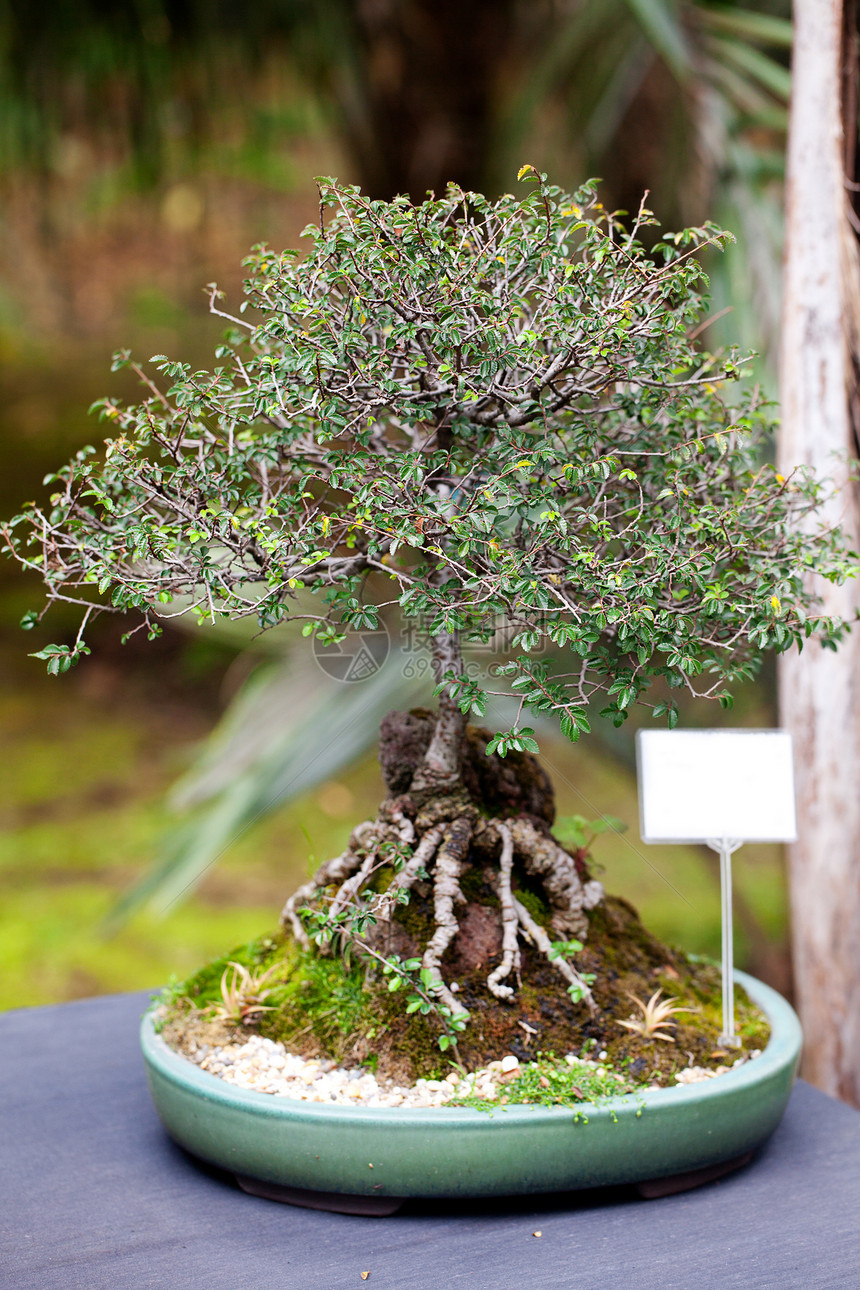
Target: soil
{"points": [[336, 1003], [326, 1009]]}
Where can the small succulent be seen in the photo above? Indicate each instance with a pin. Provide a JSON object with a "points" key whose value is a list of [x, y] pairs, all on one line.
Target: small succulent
{"points": [[243, 994], [655, 1017]]}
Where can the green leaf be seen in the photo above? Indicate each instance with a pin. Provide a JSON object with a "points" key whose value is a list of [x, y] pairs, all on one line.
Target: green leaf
{"points": [[763, 27], [659, 21], [769, 73]]}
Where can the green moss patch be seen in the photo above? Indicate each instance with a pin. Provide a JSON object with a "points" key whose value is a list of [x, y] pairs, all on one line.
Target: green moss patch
{"points": [[342, 1008]]}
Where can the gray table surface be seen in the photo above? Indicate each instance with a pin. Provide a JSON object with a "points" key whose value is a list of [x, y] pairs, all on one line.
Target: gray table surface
{"points": [[94, 1196]]}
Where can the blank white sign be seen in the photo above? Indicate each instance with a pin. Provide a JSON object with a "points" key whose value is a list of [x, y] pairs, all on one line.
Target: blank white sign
{"points": [[695, 785]]}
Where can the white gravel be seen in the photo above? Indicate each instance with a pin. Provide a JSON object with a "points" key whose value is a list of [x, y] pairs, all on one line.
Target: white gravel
{"points": [[265, 1066], [693, 1074]]}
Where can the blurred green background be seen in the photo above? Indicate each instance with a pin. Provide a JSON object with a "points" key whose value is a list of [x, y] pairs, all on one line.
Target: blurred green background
{"points": [[144, 147]]}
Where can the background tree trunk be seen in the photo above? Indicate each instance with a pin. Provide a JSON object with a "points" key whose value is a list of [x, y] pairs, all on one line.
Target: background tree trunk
{"points": [[819, 689]]}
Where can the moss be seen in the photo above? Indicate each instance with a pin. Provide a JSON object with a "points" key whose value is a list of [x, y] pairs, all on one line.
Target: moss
{"points": [[382, 878], [474, 886], [340, 1008], [406, 1046], [535, 904], [416, 917], [322, 998]]}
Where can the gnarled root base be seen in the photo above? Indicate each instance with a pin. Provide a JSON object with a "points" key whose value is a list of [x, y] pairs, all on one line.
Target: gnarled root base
{"points": [[428, 839], [458, 896]]}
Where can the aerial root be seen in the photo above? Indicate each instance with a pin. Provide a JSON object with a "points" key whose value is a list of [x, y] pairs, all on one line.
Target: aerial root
{"points": [[569, 897], [348, 890], [335, 870], [510, 947], [536, 934], [440, 853], [447, 894]]}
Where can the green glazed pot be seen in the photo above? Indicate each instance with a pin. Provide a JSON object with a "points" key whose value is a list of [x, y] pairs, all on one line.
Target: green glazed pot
{"points": [[378, 1152]]}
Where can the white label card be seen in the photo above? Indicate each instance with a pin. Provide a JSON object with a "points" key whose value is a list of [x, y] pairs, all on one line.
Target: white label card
{"points": [[697, 785]]}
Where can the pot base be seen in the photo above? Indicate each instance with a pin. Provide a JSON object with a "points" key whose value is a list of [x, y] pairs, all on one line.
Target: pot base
{"points": [[332, 1202], [654, 1188]]}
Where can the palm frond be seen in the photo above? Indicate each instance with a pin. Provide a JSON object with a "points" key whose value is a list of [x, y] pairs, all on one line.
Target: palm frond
{"points": [[767, 28], [290, 729], [660, 22]]}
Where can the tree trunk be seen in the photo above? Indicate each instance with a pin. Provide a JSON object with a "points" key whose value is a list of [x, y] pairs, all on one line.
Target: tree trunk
{"points": [[442, 760], [819, 689]]}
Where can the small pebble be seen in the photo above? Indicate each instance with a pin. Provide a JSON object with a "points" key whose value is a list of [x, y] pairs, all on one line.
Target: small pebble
{"points": [[265, 1066]]}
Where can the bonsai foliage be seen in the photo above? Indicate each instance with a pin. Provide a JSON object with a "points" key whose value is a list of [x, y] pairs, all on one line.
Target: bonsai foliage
{"points": [[484, 413], [482, 410]]}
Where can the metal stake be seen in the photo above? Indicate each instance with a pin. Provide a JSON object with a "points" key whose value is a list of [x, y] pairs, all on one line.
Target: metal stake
{"points": [[726, 846]]}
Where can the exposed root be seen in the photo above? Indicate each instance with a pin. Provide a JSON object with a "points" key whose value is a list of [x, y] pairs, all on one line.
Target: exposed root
{"points": [[437, 844], [348, 890], [421, 859], [418, 863], [404, 826], [593, 892], [510, 949], [446, 894], [544, 858], [332, 871], [541, 941], [335, 870]]}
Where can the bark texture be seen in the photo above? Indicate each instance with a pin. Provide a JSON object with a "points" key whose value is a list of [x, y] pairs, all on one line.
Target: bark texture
{"points": [[513, 785], [455, 813], [819, 689]]}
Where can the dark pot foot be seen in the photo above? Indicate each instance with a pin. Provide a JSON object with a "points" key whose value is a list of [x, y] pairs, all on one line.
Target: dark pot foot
{"points": [[332, 1201], [654, 1188]]}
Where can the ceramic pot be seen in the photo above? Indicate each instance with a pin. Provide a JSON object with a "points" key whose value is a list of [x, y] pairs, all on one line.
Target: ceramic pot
{"points": [[374, 1154]]}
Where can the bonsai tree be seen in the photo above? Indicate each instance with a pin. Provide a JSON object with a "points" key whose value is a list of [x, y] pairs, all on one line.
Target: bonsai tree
{"points": [[482, 413]]}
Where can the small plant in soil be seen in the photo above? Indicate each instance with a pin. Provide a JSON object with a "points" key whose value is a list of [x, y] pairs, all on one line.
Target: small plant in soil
{"points": [[655, 1021], [242, 994], [488, 416]]}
